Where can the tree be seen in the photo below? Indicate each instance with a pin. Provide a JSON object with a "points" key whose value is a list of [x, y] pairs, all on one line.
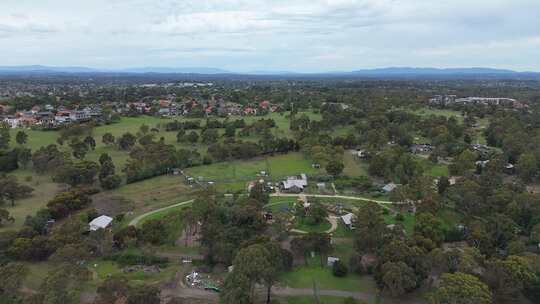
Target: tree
{"points": [[63, 284], [108, 139], [508, 277], [334, 167], [339, 269], [230, 130], [48, 159], [11, 280], [83, 172], [398, 278], [192, 137], [259, 194], [181, 136], [209, 136], [370, 228], [527, 166], [5, 217], [111, 182], [21, 137], [252, 265], [463, 163], [461, 288], [11, 189], [443, 184], [24, 156], [107, 166], [5, 137], [79, 149], [127, 141], [90, 142], [144, 129], [427, 226], [153, 231], [144, 295], [111, 290]]}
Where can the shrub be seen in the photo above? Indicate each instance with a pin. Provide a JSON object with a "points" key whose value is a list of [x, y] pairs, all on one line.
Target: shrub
{"points": [[126, 259], [339, 269]]}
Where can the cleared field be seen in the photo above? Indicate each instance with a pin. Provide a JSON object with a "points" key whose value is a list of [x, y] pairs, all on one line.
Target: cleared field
{"points": [[311, 300], [439, 112], [44, 190], [353, 166], [146, 195], [277, 167], [303, 277]]}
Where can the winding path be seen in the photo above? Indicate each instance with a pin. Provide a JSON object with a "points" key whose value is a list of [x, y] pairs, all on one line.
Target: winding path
{"points": [[136, 220], [358, 198]]}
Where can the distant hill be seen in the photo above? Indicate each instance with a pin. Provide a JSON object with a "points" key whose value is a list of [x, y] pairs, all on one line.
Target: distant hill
{"points": [[432, 71], [45, 69], [165, 70], [390, 72]]}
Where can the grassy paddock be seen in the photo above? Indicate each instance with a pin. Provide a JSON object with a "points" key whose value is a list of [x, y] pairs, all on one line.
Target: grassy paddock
{"points": [[278, 167], [44, 190], [303, 277]]}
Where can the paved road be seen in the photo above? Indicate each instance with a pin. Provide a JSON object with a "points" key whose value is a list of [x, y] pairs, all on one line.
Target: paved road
{"points": [[136, 220]]}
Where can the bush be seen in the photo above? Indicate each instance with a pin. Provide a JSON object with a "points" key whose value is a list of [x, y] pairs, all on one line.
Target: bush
{"points": [[339, 269], [399, 217], [111, 182], [126, 259]]}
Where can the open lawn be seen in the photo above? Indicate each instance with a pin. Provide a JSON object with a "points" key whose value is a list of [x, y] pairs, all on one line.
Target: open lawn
{"points": [[280, 203], [44, 190], [439, 112], [353, 166], [408, 221], [277, 167], [322, 227], [311, 300], [303, 277], [146, 195], [37, 139]]}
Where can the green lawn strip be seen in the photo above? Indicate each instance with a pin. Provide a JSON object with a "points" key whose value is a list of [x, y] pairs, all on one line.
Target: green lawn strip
{"points": [[280, 203], [311, 300], [322, 227]]}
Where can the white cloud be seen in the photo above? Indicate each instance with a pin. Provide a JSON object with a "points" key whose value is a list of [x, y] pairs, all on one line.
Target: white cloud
{"points": [[307, 35]]}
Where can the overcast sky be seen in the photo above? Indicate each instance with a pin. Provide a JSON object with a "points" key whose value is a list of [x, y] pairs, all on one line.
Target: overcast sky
{"points": [[278, 35]]}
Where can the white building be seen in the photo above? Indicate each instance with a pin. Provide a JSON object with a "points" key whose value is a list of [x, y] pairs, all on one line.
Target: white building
{"points": [[100, 222]]}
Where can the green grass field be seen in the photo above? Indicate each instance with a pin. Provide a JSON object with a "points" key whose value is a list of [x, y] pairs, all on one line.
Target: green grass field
{"points": [[311, 300], [303, 277], [44, 190], [353, 166], [439, 112], [322, 227], [408, 221], [277, 167]]}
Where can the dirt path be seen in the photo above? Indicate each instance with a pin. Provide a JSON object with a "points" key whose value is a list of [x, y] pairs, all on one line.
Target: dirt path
{"points": [[334, 222], [136, 220], [358, 198]]}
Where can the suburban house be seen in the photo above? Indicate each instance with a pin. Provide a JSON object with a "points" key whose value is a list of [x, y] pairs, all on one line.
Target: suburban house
{"points": [[294, 184], [348, 220], [100, 222], [389, 187]]}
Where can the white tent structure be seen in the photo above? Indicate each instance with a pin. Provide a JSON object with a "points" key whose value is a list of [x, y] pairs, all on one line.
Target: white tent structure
{"points": [[100, 222]]}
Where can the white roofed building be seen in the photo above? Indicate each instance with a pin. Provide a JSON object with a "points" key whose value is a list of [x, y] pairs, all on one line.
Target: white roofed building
{"points": [[100, 222]]}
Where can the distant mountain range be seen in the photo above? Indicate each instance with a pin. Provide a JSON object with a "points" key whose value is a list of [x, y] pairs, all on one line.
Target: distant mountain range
{"points": [[380, 72]]}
